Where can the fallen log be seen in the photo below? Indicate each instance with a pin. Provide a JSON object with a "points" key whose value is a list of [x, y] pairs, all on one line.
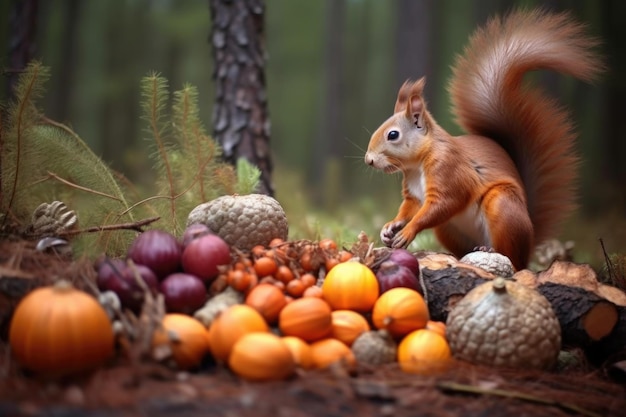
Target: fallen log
{"points": [[588, 319]]}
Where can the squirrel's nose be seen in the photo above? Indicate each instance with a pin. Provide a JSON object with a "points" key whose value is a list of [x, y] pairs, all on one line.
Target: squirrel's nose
{"points": [[369, 160]]}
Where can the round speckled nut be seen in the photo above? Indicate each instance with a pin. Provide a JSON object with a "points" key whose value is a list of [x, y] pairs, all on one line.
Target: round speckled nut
{"points": [[494, 262], [503, 323], [243, 221]]}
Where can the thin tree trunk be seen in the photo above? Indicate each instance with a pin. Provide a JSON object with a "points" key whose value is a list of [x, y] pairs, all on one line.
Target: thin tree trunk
{"points": [[68, 52], [325, 167], [414, 42], [240, 115], [23, 23]]}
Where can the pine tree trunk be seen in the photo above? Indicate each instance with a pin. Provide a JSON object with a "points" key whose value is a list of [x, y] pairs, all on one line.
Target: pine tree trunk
{"points": [[240, 115]]}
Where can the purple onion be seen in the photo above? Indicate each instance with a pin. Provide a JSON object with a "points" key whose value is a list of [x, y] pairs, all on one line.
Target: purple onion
{"points": [[204, 254], [117, 276], [405, 258], [391, 275], [183, 293], [158, 250], [194, 231]]}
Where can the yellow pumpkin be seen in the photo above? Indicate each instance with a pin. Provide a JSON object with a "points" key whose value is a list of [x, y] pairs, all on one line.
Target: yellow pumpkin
{"points": [[351, 286], [308, 318], [59, 330], [186, 337], [423, 352], [400, 311], [232, 324], [261, 356], [348, 325]]}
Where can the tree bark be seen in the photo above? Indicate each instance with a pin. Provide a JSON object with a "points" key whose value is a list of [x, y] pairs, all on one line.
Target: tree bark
{"points": [[240, 115]]}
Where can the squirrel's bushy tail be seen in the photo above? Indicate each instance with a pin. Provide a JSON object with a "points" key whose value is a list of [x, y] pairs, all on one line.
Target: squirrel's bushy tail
{"points": [[490, 99]]}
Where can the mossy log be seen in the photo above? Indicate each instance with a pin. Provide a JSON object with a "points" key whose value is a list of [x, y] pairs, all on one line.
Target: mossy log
{"points": [[588, 320]]}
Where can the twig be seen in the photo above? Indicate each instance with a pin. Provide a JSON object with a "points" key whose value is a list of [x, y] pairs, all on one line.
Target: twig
{"points": [[607, 259], [137, 226], [471, 389], [52, 175]]}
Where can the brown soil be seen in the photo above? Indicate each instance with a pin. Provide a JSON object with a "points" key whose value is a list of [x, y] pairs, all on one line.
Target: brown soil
{"points": [[132, 388]]}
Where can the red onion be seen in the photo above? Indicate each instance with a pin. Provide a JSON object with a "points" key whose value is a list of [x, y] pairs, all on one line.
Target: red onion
{"points": [[204, 254], [117, 276], [391, 275], [183, 293], [405, 258], [158, 250], [194, 231]]}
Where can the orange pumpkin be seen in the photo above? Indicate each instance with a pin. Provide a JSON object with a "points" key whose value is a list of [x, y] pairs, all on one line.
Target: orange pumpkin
{"points": [[268, 300], [59, 330], [423, 352], [301, 351], [351, 286], [348, 325], [328, 351], [400, 311], [308, 318], [261, 356], [187, 338], [230, 325]]}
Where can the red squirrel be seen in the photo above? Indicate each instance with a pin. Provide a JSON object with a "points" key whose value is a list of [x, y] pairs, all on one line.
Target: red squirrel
{"points": [[510, 180]]}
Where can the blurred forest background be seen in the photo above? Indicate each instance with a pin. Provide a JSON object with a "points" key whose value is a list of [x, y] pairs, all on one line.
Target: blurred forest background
{"points": [[333, 70]]}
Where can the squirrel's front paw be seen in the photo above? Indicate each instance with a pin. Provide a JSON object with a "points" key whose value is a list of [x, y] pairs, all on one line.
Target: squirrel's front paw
{"points": [[402, 239], [389, 232]]}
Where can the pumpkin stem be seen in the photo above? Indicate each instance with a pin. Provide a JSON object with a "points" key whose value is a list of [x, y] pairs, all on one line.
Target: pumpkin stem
{"points": [[499, 285], [63, 285]]}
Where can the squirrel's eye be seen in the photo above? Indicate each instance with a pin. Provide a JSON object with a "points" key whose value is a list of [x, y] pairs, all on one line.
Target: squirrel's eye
{"points": [[393, 135]]}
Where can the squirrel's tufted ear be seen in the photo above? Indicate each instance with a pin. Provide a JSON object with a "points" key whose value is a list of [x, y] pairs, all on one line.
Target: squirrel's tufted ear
{"points": [[415, 110], [409, 89], [403, 96]]}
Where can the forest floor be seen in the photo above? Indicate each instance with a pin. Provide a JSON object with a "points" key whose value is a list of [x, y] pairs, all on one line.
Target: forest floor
{"points": [[138, 388]]}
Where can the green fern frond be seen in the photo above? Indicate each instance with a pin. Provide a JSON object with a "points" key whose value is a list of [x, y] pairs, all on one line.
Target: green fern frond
{"points": [[155, 95], [248, 177], [43, 161], [22, 114], [185, 116]]}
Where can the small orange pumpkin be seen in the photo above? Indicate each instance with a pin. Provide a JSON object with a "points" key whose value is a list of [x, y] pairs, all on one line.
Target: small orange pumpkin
{"points": [[301, 351], [187, 338], [330, 350], [308, 318], [261, 356], [351, 286], [423, 352], [400, 311], [59, 330], [230, 325], [348, 325], [268, 300]]}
